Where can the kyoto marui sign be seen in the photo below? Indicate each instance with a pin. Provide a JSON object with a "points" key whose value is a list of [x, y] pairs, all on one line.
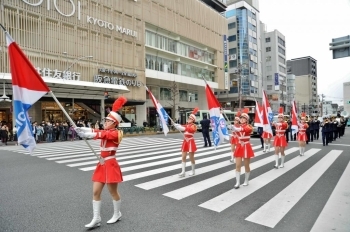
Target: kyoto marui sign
{"points": [[76, 10], [103, 78]]}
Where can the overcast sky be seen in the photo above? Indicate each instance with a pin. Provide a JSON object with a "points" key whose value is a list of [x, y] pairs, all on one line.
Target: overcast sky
{"points": [[309, 26]]}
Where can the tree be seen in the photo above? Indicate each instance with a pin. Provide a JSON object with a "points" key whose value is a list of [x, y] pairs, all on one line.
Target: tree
{"points": [[174, 93]]}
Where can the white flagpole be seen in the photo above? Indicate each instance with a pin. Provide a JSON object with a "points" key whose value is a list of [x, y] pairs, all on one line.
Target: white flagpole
{"points": [[72, 123]]}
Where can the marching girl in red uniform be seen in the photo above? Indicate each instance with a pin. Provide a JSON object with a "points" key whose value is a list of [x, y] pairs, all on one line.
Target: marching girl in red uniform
{"points": [[234, 138], [243, 149], [302, 138], [188, 145], [107, 170], [280, 142], [267, 140]]}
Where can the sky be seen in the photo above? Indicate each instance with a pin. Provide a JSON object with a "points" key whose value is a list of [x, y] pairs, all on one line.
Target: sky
{"points": [[309, 26]]}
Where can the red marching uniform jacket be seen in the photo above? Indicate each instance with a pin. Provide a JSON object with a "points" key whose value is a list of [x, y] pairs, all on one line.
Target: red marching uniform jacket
{"points": [[234, 138], [280, 138], [244, 148], [189, 145], [302, 132], [109, 172]]}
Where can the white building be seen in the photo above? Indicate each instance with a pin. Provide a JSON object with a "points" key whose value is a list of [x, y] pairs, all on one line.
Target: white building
{"points": [[346, 96], [290, 91], [274, 68]]}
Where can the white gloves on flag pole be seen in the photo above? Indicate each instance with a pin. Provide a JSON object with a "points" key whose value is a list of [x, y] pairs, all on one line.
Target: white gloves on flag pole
{"points": [[88, 135], [83, 129], [179, 127]]}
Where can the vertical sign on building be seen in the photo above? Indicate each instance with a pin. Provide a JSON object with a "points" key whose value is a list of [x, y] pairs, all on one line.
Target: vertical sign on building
{"points": [[277, 82], [225, 63]]}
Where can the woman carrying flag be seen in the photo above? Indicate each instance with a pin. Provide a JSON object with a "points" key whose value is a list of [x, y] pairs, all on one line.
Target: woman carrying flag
{"points": [[243, 149], [107, 170], [234, 138], [188, 145], [280, 142], [302, 138]]}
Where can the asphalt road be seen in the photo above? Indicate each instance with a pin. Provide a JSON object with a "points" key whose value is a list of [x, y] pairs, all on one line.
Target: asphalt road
{"points": [[46, 192]]}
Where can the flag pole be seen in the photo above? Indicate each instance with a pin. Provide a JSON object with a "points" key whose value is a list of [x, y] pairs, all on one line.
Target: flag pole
{"points": [[223, 112], [168, 115], [72, 122]]}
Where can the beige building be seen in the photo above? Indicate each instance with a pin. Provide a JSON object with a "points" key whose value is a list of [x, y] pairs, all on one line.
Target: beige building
{"points": [[86, 50]]}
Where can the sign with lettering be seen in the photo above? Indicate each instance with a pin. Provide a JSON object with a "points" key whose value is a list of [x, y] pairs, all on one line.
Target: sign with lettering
{"points": [[116, 81], [111, 71], [75, 9], [57, 74]]}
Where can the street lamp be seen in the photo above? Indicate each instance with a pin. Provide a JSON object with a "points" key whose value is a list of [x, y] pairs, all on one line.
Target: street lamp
{"points": [[239, 70]]}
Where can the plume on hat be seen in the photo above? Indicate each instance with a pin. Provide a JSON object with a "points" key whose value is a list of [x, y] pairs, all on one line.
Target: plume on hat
{"points": [[195, 110], [118, 104], [303, 114]]}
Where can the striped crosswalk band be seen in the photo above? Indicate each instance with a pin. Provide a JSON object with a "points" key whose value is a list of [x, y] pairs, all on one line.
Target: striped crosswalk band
{"points": [[151, 164]]}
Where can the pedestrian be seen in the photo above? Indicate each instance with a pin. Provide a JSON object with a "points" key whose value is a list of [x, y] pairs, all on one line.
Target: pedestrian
{"points": [[14, 131], [325, 131], [188, 145], [234, 138], [107, 170], [317, 128], [205, 123], [267, 140], [280, 142], [243, 149], [4, 134], [260, 132], [302, 138], [312, 129]]}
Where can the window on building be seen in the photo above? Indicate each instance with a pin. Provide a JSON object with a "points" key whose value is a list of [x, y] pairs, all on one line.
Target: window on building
{"points": [[268, 58], [281, 60], [231, 25], [233, 63], [269, 77], [282, 69], [281, 41], [154, 90], [183, 97], [268, 68], [281, 50], [268, 49], [165, 94], [269, 87], [232, 51], [231, 38], [268, 39]]}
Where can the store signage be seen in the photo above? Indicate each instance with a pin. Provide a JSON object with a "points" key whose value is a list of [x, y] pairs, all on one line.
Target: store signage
{"points": [[225, 53], [116, 80], [110, 26], [76, 10], [57, 74]]}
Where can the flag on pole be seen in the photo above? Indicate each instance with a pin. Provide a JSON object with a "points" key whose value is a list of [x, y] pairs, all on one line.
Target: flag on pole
{"points": [[258, 115], [295, 127], [28, 87], [267, 114], [163, 116], [218, 125]]}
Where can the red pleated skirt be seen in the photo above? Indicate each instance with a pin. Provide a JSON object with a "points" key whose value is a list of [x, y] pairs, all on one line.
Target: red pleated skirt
{"points": [[244, 151], [189, 146], [234, 140], [280, 141], [266, 135], [302, 136], [108, 173]]}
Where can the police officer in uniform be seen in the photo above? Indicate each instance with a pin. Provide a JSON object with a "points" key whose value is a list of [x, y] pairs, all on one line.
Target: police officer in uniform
{"points": [[205, 123]]}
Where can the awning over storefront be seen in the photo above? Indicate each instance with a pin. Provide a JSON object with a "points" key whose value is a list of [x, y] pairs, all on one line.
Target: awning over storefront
{"points": [[70, 89]]}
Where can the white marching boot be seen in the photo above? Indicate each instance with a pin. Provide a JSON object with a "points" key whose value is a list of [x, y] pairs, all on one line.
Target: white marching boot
{"points": [[246, 180], [265, 146], [268, 147], [117, 214], [300, 150], [193, 170], [276, 159], [96, 220], [183, 166], [238, 177], [282, 161]]}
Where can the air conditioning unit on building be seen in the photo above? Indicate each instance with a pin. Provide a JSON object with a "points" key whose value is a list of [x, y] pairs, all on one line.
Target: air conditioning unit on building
{"points": [[232, 57]]}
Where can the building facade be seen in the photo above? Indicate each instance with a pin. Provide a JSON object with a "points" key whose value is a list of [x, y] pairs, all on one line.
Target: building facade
{"points": [[244, 55], [99, 50], [346, 96], [305, 71], [274, 69], [290, 92]]}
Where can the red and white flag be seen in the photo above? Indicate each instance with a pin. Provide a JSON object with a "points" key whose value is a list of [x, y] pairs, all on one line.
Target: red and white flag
{"points": [[258, 115], [267, 114], [295, 127]]}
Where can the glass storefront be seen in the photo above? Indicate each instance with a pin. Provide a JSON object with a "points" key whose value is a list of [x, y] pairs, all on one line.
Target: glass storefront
{"points": [[51, 112]]}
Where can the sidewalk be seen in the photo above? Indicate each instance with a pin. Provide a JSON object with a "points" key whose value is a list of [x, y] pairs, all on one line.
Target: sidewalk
{"points": [[147, 133]]}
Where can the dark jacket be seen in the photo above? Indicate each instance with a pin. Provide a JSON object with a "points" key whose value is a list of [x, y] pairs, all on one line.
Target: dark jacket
{"points": [[205, 123]]}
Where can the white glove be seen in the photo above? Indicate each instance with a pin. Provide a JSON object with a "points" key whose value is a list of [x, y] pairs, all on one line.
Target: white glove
{"points": [[238, 129], [179, 127], [86, 129], [229, 127], [88, 135]]}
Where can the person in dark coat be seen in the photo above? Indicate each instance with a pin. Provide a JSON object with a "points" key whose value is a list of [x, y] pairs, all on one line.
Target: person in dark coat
{"points": [[205, 123], [260, 132], [311, 129], [317, 128], [325, 125]]}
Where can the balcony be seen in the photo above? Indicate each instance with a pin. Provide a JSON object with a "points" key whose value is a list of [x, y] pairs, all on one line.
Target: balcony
{"points": [[217, 5]]}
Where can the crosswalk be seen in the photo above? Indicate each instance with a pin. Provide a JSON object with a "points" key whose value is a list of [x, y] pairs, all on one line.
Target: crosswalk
{"points": [[154, 165]]}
